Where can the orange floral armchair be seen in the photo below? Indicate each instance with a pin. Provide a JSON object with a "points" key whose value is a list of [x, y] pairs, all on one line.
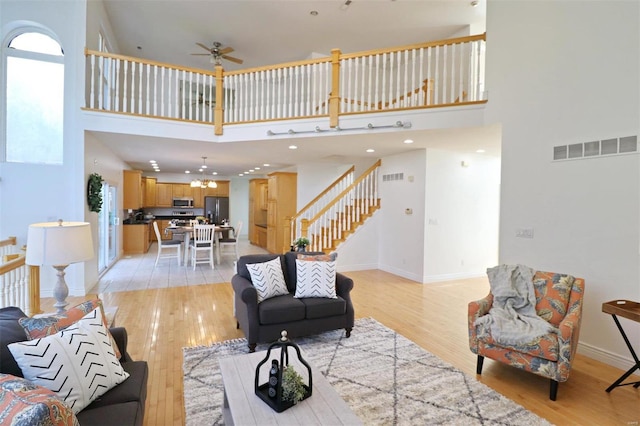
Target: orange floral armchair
{"points": [[559, 301]]}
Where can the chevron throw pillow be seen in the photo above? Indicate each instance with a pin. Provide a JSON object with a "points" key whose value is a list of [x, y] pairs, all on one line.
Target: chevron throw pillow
{"points": [[315, 279], [77, 363], [268, 279]]}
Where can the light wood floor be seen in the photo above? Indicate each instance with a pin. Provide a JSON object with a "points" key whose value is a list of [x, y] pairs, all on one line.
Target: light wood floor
{"points": [[160, 322]]}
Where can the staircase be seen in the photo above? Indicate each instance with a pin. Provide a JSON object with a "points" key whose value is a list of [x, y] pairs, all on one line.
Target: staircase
{"points": [[338, 211]]}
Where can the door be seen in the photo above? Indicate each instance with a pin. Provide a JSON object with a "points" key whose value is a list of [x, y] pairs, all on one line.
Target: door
{"points": [[107, 228]]}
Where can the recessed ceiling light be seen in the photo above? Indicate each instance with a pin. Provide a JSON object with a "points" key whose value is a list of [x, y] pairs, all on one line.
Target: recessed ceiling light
{"points": [[480, 151], [152, 161], [257, 168], [293, 147], [214, 173], [187, 171], [407, 141], [240, 174], [204, 166], [251, 170], [266, 164], [371, 150], [200, 169], [157, 170]]}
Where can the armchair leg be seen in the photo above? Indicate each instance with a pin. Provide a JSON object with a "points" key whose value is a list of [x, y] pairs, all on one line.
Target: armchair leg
{"points": [[348, 330], [237, 325], [553, 390], [252, 347], [479, 364]]}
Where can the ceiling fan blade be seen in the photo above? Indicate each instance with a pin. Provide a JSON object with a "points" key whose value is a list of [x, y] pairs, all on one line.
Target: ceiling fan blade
{"points": [[232, 59], [201, 54], [204, 47], [226, 50]]}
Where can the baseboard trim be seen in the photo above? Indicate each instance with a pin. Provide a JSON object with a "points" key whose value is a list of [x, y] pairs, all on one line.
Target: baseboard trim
{"points": [[400, 273], [609, 358], [428, 279], [357, 267]]}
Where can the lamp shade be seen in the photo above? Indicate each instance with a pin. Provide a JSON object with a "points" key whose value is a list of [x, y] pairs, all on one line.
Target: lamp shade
{"points": [[59, 243]]}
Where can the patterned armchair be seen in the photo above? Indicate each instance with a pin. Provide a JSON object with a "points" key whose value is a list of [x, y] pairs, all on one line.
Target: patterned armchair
{"points": [[559, 300]]}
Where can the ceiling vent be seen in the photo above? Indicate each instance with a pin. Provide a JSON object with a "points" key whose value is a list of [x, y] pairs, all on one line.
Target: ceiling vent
{"points": [[623, 145]]}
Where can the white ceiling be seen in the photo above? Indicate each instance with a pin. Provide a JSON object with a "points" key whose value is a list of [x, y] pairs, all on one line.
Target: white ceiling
{"points": [[265, 32]]}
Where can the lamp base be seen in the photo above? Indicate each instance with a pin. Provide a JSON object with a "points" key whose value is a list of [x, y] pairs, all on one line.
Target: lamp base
{"points": [[60, 290]]}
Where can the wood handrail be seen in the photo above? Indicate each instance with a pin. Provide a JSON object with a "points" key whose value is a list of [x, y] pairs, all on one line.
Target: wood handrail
{"points": [[11, 241], [88, 52], [424, 88], [346, 190], [446, 42], [323, 193], [12, 264], [279, 66]]}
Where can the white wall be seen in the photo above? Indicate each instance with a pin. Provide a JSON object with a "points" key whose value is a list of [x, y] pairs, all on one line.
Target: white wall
{"points": [[51, 192], [100, 159], [563, 72], [401, 236], [462, 215]]}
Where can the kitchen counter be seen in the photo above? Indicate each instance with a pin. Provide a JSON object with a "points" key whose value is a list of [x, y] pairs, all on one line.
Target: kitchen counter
{"points": [[137, 222]]}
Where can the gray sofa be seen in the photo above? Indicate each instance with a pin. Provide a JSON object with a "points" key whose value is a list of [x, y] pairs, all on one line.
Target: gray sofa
{"points": [[122, 405], [263, 322]]}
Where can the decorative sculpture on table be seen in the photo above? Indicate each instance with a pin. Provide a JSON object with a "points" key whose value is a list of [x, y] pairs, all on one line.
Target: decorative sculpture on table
{"points": [[285, 386]]}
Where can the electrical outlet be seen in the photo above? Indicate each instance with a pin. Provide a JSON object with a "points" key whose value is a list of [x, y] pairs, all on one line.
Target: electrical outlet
{"points": [[524, 232]]}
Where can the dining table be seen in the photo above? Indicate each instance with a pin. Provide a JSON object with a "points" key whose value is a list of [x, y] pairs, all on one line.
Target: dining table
{"points": [[187, 231]]}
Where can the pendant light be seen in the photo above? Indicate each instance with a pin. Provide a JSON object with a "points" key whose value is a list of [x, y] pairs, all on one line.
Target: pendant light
{"points": [[203, 183]]}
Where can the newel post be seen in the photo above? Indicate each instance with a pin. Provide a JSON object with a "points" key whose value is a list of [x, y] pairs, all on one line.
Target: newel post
{"points": [[334, 96], [304, 230], [217, 112]]}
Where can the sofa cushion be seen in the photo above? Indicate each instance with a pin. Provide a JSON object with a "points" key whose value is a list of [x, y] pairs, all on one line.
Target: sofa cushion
{"points": [[10, 332], [78, 363], [22, 402], [132, 389], [320, 307], [290, 268], [46, 325], [280, 309], [315, 279], [126, 413], [552, 292], [255, 258], [268, 279]]}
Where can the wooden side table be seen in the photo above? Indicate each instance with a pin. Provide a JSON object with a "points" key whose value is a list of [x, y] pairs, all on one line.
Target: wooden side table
{"points": [[630, 310]]}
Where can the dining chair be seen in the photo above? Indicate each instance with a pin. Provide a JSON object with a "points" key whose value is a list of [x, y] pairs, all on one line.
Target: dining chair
{"points": [[166, 245], [202, 241], [232, 241]]}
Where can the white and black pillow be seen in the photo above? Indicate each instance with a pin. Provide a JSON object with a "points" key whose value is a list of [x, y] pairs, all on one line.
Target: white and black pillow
{"points": [[315, 279], [77, 363], [268, 279]]}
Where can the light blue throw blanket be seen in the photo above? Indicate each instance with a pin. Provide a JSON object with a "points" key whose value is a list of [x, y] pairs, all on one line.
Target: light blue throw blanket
{"points": [[512, 319]]}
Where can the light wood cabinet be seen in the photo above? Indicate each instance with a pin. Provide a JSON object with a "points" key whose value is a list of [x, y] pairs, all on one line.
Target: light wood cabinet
{"points": [[180, 190], [281, 205], [221, 191], [135, 239], [263, 195], [198, 197], [162, 225], [132, 189], [149, 185], [164, 195], [257, 215]]}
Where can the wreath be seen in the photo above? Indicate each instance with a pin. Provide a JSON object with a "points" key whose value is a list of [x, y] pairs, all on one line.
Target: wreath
{"points": [[94, 193]]}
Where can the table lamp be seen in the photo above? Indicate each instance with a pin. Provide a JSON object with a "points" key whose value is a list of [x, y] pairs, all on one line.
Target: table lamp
{"points": [[59, 244]]}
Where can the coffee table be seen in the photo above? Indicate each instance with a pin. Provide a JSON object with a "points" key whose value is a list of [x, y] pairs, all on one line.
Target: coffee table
{"points": [[243, 407]]}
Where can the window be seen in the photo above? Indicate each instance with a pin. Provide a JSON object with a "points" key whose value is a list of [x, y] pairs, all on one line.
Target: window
{"points": [[34, 99]]}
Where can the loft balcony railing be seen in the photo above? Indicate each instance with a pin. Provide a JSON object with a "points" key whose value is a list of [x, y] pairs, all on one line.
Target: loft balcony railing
{"points": [[426, 75]]}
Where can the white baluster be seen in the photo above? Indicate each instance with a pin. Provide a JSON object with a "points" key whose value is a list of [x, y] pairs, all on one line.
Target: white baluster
{"points": [[92, 86], [436, 72], [125, 79], [102, 81], [116, 94]]}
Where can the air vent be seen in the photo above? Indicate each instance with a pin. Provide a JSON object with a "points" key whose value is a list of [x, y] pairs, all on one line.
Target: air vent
{"points": [[623, 145], [392, 176]]}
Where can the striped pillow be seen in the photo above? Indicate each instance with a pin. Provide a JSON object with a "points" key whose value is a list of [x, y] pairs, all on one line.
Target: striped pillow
{"points": [[268, 279], [315, 279]]}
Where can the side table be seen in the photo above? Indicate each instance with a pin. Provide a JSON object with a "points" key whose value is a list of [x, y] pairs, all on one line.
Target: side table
{"points": [[630, 310]]}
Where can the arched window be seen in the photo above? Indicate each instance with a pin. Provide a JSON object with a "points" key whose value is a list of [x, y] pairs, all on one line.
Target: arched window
{"points": [[34, 88]]}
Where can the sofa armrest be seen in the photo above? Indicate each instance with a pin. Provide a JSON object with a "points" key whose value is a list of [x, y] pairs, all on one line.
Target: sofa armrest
{"points": [[120, 336], [476, 309], [344, 285], [244, 290]]}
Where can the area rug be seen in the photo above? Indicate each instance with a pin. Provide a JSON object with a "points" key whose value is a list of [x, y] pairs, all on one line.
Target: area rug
{"points": [[385, 378]]}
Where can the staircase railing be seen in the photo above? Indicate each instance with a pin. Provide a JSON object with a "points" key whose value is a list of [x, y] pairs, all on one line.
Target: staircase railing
{"points": [[337, 219], [424, 75], [314, 206], [8, 246], [20, 285]]}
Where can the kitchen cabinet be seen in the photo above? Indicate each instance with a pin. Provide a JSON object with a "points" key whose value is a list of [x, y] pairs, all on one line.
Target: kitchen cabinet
{"points": [[132, 189], [181, 190], [261, 236], [149, 191], [257, 215], [263, 195], [164, 195], [198, 197], [221, 191], [281, 205], [135, 239]]}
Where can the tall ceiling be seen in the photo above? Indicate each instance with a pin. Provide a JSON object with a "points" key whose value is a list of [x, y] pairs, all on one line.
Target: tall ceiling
{"points": [[265, 32]]}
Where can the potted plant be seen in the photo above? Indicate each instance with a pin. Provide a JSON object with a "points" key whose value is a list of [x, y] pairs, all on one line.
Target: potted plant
{"points": [[301, 243], [293, 388]]}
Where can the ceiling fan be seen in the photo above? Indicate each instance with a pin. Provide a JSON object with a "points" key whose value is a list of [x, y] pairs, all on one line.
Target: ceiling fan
{"points": [[217, 53]]}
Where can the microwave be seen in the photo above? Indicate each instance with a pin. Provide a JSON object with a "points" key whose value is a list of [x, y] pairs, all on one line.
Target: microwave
{"points": [[183, 202]]}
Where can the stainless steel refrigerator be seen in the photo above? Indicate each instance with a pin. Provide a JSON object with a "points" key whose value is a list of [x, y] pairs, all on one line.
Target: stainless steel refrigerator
{"points": [[216, 209]]}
